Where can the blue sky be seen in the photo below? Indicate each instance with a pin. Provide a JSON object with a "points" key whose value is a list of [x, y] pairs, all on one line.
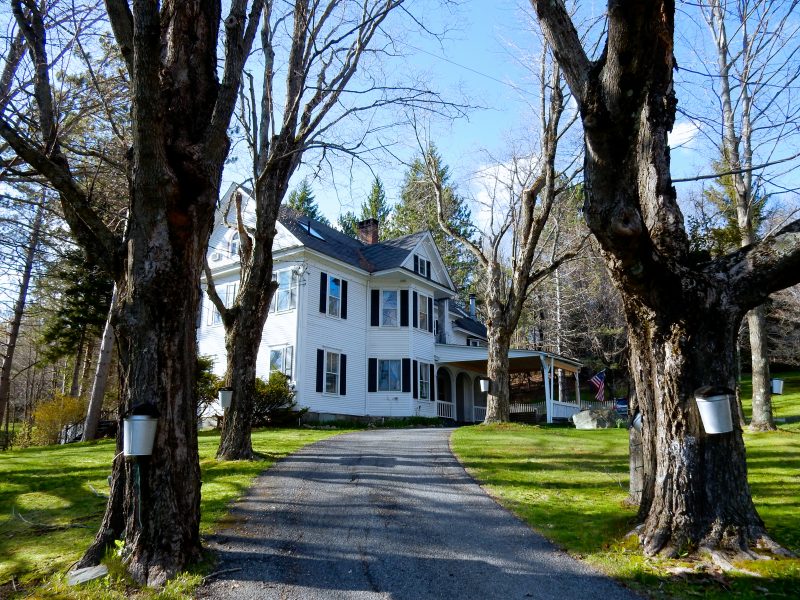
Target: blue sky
{"points": [[482, 58]]}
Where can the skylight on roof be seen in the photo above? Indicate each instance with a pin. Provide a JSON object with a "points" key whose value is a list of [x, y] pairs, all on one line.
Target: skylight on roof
{"points": [[312, 231]]}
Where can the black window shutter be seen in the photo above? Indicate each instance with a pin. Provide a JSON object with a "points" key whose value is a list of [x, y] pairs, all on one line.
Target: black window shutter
{"points": [[372, 376], [415, 311], [320, 368], [428, 268], [403, 308], [416, 264], [414, 380], [430, 314], [375, 308], [343, 374], [406, 375], [431, 383], [343, 312], [323, 292]]}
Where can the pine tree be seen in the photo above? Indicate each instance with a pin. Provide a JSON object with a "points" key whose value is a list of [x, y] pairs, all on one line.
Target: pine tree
{"points": [[375, 206], [348, 224], [416, 211], [301, 199]]}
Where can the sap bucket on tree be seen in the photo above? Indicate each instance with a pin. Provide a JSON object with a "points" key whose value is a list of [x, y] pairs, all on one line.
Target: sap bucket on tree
{"points": [[225, 395], [714, 404], [777, 386], [484, 385], [139, 430]]}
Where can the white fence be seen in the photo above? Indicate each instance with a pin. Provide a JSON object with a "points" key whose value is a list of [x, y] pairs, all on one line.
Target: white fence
{"points": [[479, 414]]}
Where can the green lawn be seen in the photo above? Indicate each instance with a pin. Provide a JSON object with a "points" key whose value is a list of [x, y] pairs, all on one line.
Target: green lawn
{"points": [[49, 513], [571, 486]]}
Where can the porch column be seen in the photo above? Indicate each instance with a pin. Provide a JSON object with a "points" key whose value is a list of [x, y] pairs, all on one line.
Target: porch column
{"points": [[578, 388], [548, 389]]}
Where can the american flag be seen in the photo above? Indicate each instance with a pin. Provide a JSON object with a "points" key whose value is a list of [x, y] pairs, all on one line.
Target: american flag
{"points": [[599, 381]]}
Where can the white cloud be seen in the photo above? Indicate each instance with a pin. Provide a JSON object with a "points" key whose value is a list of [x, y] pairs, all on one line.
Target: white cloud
{"points": [[683, 134]]}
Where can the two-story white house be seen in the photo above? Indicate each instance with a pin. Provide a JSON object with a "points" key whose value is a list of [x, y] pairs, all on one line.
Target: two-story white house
{"points": [[362, 327]]}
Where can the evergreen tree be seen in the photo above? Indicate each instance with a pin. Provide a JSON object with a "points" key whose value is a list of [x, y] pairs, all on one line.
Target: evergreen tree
{"points": [[82, 295], [348, 224], [416, 211], [301, 199], [375, 206]]}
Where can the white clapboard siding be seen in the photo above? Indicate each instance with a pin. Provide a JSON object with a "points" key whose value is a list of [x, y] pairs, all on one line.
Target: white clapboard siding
{"points": [[322, 331]]}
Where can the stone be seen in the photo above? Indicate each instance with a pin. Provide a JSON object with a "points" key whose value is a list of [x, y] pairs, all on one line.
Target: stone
{"points": [[595, 419], [86, 574]]}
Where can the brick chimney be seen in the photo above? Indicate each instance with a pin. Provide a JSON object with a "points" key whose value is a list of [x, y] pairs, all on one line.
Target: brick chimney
{"points": [[368, 231]]}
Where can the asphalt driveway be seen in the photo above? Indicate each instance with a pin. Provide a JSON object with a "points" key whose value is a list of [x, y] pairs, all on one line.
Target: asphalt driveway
{"points": [[387, 514]]}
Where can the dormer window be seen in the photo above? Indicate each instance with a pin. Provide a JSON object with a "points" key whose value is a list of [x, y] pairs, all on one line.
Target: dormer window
{"points": [[422, 266]]}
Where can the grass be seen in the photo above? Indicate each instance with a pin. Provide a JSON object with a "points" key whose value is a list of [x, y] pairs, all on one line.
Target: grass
{"points": [[571, 486], [49, 512]]}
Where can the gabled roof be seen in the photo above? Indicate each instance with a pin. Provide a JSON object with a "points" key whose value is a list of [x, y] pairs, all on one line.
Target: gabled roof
{"points": [[372, 258], [464, 321]]}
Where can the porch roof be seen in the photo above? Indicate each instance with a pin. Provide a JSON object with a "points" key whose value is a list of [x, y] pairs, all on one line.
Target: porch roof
{"points": [[474, 358]]}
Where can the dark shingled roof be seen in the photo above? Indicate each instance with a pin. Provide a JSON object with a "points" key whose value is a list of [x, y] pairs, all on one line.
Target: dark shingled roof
{"points": [[369, 257], [465, 322]]}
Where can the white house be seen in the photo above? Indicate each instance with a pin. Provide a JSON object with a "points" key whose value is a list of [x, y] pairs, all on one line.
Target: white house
{"points": [[364, 328]]}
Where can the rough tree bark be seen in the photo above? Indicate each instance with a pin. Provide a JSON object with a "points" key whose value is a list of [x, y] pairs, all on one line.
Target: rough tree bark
{"points": [[180, 112], [682, 317]]}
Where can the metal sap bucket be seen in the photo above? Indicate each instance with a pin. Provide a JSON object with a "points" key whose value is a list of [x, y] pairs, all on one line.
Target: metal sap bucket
{"points": [[138, 435]]}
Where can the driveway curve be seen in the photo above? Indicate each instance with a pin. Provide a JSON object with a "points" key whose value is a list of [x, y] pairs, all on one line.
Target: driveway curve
{"points": [[387, 514]]}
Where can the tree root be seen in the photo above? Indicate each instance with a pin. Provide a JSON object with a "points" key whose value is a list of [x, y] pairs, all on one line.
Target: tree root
{"points": [[724, 562], [764, 542]]}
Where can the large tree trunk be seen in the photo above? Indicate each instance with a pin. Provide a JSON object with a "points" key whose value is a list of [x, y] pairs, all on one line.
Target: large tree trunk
{"points": [[244, 322], [682, 317], [762, 398], [695, 491], [241, 343], [498, 408], [19, 308], [100, 376]]}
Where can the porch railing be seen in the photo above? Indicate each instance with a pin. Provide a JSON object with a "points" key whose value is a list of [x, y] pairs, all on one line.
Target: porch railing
{"points": [[479, 414], [444, 410]]}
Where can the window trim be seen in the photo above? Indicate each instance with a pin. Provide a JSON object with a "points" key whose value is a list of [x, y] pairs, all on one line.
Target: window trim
{"points": [[233, 244], [399, 375], [283, 350], [294, 283], [326, 372], [423, 302], [425, 368], [338, 298], [396, 308]]}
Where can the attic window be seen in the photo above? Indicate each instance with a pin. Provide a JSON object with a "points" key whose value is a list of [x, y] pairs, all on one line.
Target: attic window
{"points": [[311, 231]]}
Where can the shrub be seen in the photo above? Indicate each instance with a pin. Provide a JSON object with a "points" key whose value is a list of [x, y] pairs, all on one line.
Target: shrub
{"points": [[51, 416], [273, 404]]}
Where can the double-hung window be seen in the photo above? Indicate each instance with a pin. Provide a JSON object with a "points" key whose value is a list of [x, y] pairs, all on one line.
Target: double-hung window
{"points": [[423, 316], [331, 372], [389, 376], [334, 296], [389, 309], [285, 297], [424, 381], [280, 359]]}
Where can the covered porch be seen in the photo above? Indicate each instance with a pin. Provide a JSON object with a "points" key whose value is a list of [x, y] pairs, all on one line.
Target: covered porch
{"points": [[459, 370]]}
